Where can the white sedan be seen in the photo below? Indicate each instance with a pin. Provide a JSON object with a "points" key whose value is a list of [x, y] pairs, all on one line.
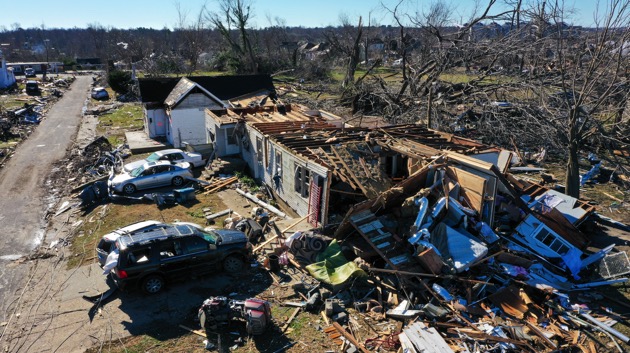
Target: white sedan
{"points": [[172, 155]]}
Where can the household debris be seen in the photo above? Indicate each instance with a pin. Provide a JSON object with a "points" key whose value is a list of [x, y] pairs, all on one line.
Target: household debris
{"points": [[484, 261]]}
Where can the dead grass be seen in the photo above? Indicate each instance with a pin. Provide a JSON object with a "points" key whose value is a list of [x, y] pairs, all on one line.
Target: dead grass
{"points": [[116, 122], [107, 218]]}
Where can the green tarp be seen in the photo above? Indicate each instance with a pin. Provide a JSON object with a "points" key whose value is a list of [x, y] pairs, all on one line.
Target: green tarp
{"points": [[332, 267]]}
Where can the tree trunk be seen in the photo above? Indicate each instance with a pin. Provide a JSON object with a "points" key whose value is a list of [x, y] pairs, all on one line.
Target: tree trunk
{"points": [[354, 58], [572, 180]]}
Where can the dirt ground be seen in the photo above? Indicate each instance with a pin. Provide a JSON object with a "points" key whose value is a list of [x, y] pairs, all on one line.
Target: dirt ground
{"points": [[49, 312]]}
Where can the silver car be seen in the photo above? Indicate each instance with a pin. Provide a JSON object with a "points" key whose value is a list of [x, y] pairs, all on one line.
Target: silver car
{"points": [[150, 175]]}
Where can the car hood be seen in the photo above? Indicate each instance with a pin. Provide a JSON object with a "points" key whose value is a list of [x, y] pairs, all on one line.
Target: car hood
{"points": [[133, 165], [231, 236], [120, 178]]}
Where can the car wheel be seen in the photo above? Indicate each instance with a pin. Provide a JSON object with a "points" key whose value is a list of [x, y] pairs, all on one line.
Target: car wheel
{"points": [[153, 284], [233, 264], [129, 189], [178, 181]]}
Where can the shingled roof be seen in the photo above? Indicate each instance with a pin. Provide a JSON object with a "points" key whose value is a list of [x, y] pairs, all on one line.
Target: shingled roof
{"points": [[156, 90]]}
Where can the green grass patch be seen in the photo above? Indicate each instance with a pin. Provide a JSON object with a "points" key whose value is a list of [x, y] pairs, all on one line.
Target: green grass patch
{"points": [[115, 123], [129, 116], [105, 219]]}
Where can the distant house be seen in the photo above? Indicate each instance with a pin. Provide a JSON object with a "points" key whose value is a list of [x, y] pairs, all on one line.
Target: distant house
{"points": [[7, 78], [38, 66], [174, 108]]}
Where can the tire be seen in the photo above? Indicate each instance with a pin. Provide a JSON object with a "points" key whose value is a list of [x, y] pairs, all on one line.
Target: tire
{"points": [[233, 264], [153, 284], [177, 181], [129, 189]]}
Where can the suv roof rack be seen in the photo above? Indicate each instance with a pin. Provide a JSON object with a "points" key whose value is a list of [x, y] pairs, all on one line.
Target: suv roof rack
{"points": [[156, 234]]}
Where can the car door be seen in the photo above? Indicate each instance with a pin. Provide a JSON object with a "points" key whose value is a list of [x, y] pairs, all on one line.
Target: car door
{"points": [[174, 263], [163, 175], [202, 254], [147, 179], [177, 158]]}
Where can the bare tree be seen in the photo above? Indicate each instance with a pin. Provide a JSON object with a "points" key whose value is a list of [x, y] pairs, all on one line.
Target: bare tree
{"points": [[590, 80], [232, 23], [193, 35], [347, 43]]}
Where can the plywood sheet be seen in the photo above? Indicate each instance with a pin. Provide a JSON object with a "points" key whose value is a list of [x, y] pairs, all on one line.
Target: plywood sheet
{"points": [[472, 186]]}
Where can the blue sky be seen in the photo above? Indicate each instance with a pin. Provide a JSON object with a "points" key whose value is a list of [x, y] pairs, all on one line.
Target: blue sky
{"points": [[162, 13]]}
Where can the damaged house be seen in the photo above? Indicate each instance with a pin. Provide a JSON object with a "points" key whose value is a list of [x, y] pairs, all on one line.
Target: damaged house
{"points": [[174, 108], [7, 78]]}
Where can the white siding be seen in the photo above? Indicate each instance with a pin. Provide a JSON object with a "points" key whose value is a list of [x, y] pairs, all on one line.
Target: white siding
{"points": [[187, 125], [285, 188], [155, 121], [187, 121]]}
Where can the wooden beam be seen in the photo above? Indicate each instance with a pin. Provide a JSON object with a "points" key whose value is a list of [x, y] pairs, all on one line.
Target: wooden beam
{"points": [[286, 324], [350, 338], [196, 332]]}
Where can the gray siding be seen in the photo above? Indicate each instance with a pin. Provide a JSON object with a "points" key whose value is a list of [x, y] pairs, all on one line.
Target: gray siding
{"points": [[197, 100]]}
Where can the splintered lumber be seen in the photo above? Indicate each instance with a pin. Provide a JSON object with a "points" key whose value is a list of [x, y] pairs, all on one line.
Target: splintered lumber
{"points": [[257, 248], [261, 203], [196, 332], [220, 184], [538, 333], [350, 338]]}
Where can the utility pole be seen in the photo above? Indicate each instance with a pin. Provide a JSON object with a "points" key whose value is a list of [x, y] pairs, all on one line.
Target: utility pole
{"points": [[47, 60]]}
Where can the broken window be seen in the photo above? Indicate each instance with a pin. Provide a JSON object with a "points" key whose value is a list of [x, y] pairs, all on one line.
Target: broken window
{"points": [[138, 257], [278, 163], [259, 149], [231, 136], [552, 241], [268, 154], [301, 180]]}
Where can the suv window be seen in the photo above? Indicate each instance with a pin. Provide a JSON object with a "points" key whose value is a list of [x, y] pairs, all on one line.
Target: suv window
{"points": [[170, 249], [195, 244], [138, 257]]}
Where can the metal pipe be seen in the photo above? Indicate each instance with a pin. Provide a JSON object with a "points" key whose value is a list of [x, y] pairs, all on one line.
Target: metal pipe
{"points": [[606, 328]]}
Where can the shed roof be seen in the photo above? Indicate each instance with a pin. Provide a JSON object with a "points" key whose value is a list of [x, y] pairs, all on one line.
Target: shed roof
{"points": [[183, 88], [223, 87]]}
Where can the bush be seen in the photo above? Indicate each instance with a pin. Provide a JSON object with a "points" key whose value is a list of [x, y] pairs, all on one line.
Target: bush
{"points": [[119, 81]]}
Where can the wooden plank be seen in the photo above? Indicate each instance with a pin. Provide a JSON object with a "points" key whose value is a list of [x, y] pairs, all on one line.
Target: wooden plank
{"points": [[215, 187], [352, 175], [472, 186], [286, 324], [350, 338], [196, 332]]}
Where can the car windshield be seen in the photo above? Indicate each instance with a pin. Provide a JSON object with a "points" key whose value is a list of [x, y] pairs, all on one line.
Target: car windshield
{"points": [[209, 236], [137, 172], [153, 157]]}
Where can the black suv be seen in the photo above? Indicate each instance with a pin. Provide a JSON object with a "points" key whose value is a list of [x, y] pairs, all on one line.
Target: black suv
{"points": [[154, 257]]}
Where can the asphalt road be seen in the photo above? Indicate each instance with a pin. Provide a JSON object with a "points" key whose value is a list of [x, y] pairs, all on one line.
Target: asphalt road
{"points": [[24, 197]]}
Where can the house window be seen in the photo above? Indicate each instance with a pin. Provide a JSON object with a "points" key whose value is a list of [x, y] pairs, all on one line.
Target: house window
{"points": [[231, 136], [552, 241], [301, 180], [259, 149], [278, 163]]}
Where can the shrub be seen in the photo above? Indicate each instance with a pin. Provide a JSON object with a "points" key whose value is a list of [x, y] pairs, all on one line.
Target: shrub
{"points": [[119, 81]]}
